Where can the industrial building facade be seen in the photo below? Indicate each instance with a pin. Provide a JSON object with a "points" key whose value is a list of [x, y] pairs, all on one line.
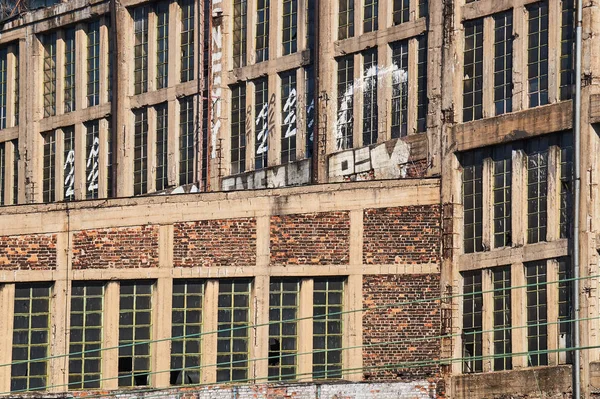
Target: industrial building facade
{"points": [[377, 199]]}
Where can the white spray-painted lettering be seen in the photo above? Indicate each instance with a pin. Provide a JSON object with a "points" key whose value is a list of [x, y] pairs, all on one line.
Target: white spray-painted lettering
{"points": [[310, 109], [92, 160], [262, 129], [69, 167], [289, 109], [216, 69]]}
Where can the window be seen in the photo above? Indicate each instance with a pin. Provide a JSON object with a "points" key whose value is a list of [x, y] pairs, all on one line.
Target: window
{"points": [[290, 26], [49, 44], [537, 313], [31, 333], [327, 328], [92, 149], [283, 332], [187, 40], [48, 182], [17, 78], [346, 19], [186, 329], [288, 117], [423, 8], [566, 184], [309, 82], [15, 146], [503, 42], [371, 12], [70, 69], [109, 161], [3, 86], [501, 195], [472, 187], [502, 318], [345, 96], [473, 71], [537, 189], [537, 50], [85, 335], [240, 29], [238, 129], [400, 89], [69, 164], [262, 30], [370, 120], [472, 322], [2, 172], [135, 326], [93, 64], [422, 101], [140, 50], [162, 45], [232, 339], [567, 40], [162, 139], [401, 11], [565, 312], [140, 160], [261, 109], [186, 141]]}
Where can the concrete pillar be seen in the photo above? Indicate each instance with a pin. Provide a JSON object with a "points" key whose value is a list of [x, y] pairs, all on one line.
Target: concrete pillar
{"points": [[553, 201], [488, 203], [209, 337], [518, 198], [152, 148], [250, 129], [174, 66], [488, 67], [110, 336], [552, 298], [11, 81], [412, 86], [305, 330], [554, 33], [518, 308], [104, 62], [301, 122], [81, 78], [384, 87], [357, 98], [9, 154], [519, 100], [30, 141], [60, 72], [103, 126], [274, 120], [152, 45], [80, 161], [7, 307], [487, 320]]}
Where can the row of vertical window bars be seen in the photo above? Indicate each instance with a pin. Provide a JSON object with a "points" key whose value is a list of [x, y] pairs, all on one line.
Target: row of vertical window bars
{"points": [[4, 84], [140, 49], [162, 45], [399, 115], [537, 53], [49, 74], [69, 88], [238, 128], [4, 168], [262, 30], [162, 138], [2, 173], [290, 26], [93, 64], [187, 153], [187, 40], [370, 124], [240, 29], [49, 167], [473, 71], [140, 150], [261, 114]]}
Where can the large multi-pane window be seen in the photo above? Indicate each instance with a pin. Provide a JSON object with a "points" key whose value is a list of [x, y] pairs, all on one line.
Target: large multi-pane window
{"points": [[370, 120], [290, 26], [92, 150], [345, 19], [3, 86], [565, 306], [472, 192], [140, 160], [537, 54], [15, 145], [162, 139], [261, 109], [503, 43], [85, 341], [238, 129], [135, 326], [289, 101], [240, 29], [537, 189], [473, 71], [472, 339], [186, 328], [400, 89], [93, 63], [345, 98], [69, 89], [370, 15], [109, 160], [162, 45], [2, 173], [49, 167], [233, 339], [68, 164], [400, 11], [501, 195], [537, 313], [283, 329], [566, 184], [31, 337], [327, 327], [262, 30], [16, 92], [186, 140], [567, 41], [422, 101], [49, 77], [502, 318], [140, 50], [187, 40]]}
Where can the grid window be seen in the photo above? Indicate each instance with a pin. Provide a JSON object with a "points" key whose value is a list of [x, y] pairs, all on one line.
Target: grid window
{"points": [[17, 79], [473, 71], [309, 85], [261, 109], [422, 101], [162, 139], [240, 29], [289, 101], [186, 141], [472, 187], [93, 63], [537, 189], [15, 186], [187, 40], [232, 339], [423, 8], [262, 30], [401, 11], [69, 38], [49, 44], [185, 331], [537, 54], [400, 89], [92, 150], [3, 86], [85, 341], [49, 185], [109, 161], [135, 326], [503, 43], [502, 318], [537, 312], [2, 172], [140, 50], [162, 45], [345, 96], [238, 129], [370, 119], [290, 26], [501, 196], [327, 327], [283, 330], [472, 322], [346, 19], [140, 160], [565, 310], [370, 16], [566, 184], [31, 333], [567, 40], [69, 164]]}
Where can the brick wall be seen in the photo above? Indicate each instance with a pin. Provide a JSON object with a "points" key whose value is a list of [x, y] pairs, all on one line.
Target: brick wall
{"points": [[317, 238], [401, 324], [29, 252], [127, 247], [409, 234], [227, 242]]}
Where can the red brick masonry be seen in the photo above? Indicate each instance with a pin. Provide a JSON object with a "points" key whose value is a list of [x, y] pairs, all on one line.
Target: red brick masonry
{"points": [[30, 252]]}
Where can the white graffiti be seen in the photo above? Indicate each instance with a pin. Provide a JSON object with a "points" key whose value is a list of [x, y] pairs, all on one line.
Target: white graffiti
{"points": [[310, 109], [262, 134], [289, 110], [216, 69], [69, 167], [92, 160]]}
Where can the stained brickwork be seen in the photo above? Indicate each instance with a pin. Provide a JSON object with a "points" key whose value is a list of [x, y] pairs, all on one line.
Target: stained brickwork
{"points": [[403, 330], [409, 234], [128, 247], [317, 239], [29, 252], [226, 242]]}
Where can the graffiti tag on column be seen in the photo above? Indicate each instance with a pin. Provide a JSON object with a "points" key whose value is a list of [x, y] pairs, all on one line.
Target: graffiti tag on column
{"points": [[310, 109], [262, 129], [92, 160], [217, 46], [289, 110], [70, 174]]}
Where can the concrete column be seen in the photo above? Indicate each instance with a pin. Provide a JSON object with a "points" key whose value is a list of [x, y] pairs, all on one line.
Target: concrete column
{"points": [[59, 165], [11, 81], [274, 121], [301, 28], [103, 127], [554, 50], [209, 340], [552, 298], [359, 12], [488, 67], [173, 143], [487, 319], [174, 58], [152, 149], [519, 198], [250, 129], [352, 337], [30, 142], [60, 73], [251, 34], [553, 201], [80, 161], [412, 86], [384, 89], [80, 69], [152, 57], [357, 138], [104, 55], [301, 122], [110, 336], [305, 330], [259, 349], [9, 154], [275, 32], [7, 307], [519, 76], [488, 203], [385, 17], [519, 314]]}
